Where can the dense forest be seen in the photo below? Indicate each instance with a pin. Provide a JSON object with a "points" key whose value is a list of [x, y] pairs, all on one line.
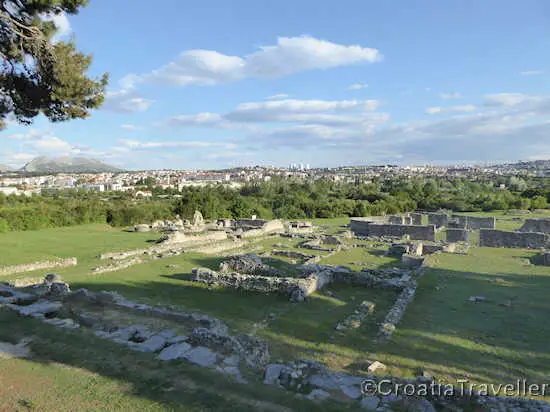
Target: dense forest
{"points": [[276, 199]]}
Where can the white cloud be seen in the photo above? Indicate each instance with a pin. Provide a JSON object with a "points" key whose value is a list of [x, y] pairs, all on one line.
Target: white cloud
{"points": [[298, 110], [358, 86], [450, 96], [62, 23], [532, 73], [278, 96], [131, 127], [189, 144], [509, 99], [290, 55], [126, 101], [463, 108]]}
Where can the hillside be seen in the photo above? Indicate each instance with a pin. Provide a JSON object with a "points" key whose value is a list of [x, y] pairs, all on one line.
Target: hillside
{"points": [[45, 164]]}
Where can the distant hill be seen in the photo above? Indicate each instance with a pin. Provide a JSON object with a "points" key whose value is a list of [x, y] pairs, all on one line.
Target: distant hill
{"points": [[5, 168], [45, 164]]}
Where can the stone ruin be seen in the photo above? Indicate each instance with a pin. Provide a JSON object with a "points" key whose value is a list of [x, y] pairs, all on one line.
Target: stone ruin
{"points": [[313, 277], [45, 264], [207, 344], [507, 239], [300, 227], [439, 220], [249, 264], [369, 228], [458, 235], [536, 225], [324, 243]]}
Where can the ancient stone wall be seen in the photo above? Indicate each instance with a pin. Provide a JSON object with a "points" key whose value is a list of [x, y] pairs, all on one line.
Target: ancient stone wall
{"points": [[438, 219], [396, 313], [416, 219], [501, 238], [536, 225], [173, 241], [365, 228], [396, 220], [46, 264], [475, 222], [263, 284], [458, 235]]}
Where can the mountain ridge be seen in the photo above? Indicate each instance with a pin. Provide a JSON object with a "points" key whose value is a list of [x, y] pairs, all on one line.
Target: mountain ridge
{"points": [[66, 164]]}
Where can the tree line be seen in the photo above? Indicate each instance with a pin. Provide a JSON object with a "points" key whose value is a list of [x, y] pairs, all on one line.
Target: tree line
{"points": [[276, 199]]}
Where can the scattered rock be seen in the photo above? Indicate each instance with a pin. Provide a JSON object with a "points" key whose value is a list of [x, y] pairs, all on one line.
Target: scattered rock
{"points": [[477, 299], [174, 352], [20, 350], [318, 395], [370, 403], [201, 356], [272, 373], [376, 366], [153, 344], [353, 392]]}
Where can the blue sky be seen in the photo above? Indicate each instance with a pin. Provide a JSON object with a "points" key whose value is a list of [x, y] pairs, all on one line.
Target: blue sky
{"points": [[213, 84]]}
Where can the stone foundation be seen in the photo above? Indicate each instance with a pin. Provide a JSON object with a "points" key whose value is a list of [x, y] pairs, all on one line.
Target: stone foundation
{"points": [[501, 238], [295, 288], [46, 264]]}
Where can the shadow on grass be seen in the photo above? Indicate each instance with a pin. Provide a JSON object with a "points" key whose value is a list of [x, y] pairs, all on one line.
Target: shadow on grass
{"points": [[176, 385], [498, 340]]}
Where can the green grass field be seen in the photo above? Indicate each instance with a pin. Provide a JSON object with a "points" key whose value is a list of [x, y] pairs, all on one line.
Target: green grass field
{"points": [[496, 341]]}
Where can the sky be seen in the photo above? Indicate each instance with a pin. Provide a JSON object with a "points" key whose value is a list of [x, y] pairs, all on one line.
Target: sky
{"points": [[216, 84]]}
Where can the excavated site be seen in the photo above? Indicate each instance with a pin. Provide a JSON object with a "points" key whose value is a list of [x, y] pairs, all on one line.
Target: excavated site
{"points": [[293, 272]]}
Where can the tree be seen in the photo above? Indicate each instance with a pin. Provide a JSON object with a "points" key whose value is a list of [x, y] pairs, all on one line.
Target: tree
{"points": [[39, 75]]}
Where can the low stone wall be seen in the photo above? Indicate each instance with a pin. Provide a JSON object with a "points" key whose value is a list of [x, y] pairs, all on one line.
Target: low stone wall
{"points": [[396, 313], [184, 239], [353, 321], [292, 254], [368, 278], [216, 248], [412, 261], [117, 265], [46, 264], [438, 219], [501, 238], [174, 241], [296, 288], [475, 222], [249, 264], [266, 226], [536, 225], [365, 228], [458, 235]]}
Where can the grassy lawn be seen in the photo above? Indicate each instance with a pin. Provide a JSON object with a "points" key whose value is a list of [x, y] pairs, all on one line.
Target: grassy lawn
{"points": [[499, 340], [85, 242], [496, 341]]}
